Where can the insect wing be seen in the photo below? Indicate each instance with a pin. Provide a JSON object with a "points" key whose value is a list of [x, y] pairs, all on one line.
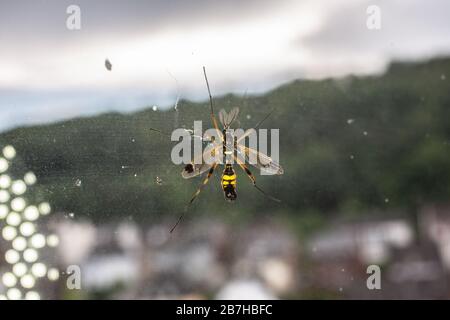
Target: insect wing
{"points": [[259, 160], [226, 119], [198, 165], [223, 115], [232, 116]]}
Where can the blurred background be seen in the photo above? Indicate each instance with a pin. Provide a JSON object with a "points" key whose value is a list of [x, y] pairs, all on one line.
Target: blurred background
{"points": [[88, 192]]}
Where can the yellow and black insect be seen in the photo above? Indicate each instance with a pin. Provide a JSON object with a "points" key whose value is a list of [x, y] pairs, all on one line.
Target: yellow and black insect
{"points": [[229, 175], [238, 152]]}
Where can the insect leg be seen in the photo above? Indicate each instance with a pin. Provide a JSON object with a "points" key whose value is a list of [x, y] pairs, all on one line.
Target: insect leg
{"points": [[210, 172], [253, 179]]}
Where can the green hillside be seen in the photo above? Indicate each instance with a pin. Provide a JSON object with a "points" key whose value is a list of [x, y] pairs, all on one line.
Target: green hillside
{"points": [[351, 145]]}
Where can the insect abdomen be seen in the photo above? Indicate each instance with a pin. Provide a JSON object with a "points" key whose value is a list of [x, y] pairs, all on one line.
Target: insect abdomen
{"points": [[229, 183]]}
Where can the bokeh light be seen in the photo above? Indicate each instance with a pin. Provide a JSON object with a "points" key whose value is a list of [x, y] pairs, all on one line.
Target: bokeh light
{"points": [[18, 204], [19, 244], [18, 187], [27, 229], [30, 178], [13, 219], [19, 269], [30, 255], [3, 211], [53, 274], [5, 181], [31, 213], [12, 256], [44, 208], [14, 294], [27, 281], [52, 240], [9, 152], [32, 295], [4, 196], [39, 270], [37, 241], [19, 229], [9, 279], [9, 233], [3, 165]]}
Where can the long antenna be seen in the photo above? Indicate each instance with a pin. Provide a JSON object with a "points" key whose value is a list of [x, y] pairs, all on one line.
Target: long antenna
{"points": [[209, 91], [213, 117], [264, 119], [160, 132]]}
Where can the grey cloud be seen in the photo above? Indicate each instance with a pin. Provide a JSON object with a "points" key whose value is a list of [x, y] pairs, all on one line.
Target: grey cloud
{"points": [[32, 19], [408, 29]]}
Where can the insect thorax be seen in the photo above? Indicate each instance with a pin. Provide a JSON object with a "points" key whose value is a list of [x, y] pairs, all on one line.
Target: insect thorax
{"points": [[229, 144]]}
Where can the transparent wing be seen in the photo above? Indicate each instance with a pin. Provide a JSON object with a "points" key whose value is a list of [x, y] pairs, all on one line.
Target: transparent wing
{"points": [[259, 160], [223, 115], [198, 165], [226, 119], [232, 116]]}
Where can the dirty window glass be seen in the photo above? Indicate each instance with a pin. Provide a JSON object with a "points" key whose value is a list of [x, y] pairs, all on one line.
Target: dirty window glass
{"points": [[348, 193]]}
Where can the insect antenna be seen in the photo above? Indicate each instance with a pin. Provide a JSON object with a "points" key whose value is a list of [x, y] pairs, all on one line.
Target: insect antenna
{"points": [[264, 119], [209, 91], [160, 132], [168, 135], [211, 105]]}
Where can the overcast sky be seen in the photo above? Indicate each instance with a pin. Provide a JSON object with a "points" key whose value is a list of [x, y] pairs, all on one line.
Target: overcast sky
{"points": [[157, 49]]}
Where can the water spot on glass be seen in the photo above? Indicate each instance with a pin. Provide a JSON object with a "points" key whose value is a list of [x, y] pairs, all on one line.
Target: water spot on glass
{"points": [[365, 133], [155, 108], [133, 140], [350, 121], [108, 65], [352, 157], [248, 117], [71, 215], [386, 200], [443, 77]]}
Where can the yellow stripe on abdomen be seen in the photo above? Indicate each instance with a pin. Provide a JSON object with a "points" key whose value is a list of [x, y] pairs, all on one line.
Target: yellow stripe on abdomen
{"points": [[228, 179]]}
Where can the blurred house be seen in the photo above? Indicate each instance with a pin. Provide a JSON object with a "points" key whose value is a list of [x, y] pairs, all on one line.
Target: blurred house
{"points": [[262, 260], [411, 267], [200, 260]]}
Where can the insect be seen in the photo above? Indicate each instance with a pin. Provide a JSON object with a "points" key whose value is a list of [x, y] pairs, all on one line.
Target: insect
{"points": [[232, 149]]}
